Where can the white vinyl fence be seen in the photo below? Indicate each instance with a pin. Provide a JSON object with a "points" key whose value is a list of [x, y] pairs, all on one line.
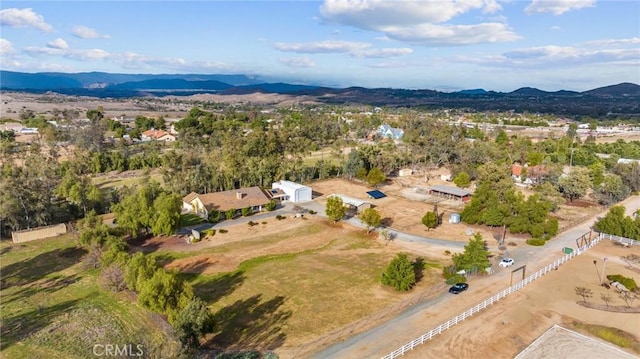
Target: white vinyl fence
{"points": [[487, 302]]}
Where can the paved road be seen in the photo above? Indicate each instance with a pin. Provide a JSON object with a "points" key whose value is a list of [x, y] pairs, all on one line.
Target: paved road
{"points": [[388, 336]]}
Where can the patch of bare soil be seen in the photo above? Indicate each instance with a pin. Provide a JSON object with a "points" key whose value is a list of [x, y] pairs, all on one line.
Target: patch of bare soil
{"points": [[509, 326], [289, 235]]}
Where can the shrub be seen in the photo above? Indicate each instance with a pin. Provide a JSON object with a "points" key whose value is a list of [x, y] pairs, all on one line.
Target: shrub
{"points": [[246, 211], [447, 252], [196, 240], [270, 206], [264, 222], [400, 273], [230, 213], [252, 223], [513, 244], [222, 230], [457, 278], [536, 242], [312, 211], [214, 216], [210, 232], [279, 217], [629, 283]]}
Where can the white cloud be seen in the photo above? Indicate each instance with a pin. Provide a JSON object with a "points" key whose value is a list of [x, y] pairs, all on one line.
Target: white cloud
{"points": [[451, 35], [90, 54], [372, 14], [383, 53], [614, 42], [558, 56], [320, 47], [6, 47], [557, 7], [80, 54], [298, 62], [354, 49], [38, 50], [84, 32], [58, 44], [421, 22], [20, 18]]}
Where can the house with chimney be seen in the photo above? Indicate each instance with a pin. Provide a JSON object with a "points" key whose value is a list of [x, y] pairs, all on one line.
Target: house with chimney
{"points": [[236, 199]]}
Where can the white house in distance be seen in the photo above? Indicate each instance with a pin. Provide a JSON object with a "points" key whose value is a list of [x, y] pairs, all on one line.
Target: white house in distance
{"points": [[294, 192], [386, 131]]}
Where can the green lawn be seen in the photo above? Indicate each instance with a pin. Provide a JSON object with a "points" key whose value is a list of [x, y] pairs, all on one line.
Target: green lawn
{"points": [[104, 182], [53, 308]]}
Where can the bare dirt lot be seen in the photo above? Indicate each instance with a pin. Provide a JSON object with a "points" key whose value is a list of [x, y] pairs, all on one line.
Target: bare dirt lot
{"points": [[404, 207], [506, 328]]}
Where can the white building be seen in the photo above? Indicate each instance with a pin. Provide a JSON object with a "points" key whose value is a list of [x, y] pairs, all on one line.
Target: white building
{"points": [[295, 192]]}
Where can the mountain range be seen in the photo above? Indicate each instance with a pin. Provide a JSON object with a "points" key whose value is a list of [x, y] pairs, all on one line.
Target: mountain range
{"points": [[617, 99]]}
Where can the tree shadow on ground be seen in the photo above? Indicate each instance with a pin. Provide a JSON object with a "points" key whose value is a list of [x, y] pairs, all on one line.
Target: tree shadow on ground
{"points": [[212, 288], [33, 269], [17, 328], [418, 268], [250, 323], [386, 222], [47, 286]]}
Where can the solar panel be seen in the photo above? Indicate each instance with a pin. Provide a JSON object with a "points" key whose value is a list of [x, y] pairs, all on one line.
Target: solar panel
{"points": [[375, 194]]}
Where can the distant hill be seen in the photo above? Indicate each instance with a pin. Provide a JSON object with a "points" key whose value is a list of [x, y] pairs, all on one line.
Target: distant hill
{"points": [[172, 84], [279, 87], [59, 80], [616, 100], [623, 89], [473, 92]]}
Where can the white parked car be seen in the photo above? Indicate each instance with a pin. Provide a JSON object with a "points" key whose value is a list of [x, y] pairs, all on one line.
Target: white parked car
{"points": [[507, 262]]}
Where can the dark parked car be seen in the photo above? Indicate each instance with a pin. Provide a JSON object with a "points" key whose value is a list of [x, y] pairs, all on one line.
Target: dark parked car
{"points": [[458, 287]]}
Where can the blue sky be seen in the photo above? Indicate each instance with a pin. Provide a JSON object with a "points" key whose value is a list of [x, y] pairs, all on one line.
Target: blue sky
{"points": [[444, 44]]}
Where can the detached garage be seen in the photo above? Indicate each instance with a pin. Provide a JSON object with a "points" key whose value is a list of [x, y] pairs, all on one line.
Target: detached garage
{"points": [[294, 192]]}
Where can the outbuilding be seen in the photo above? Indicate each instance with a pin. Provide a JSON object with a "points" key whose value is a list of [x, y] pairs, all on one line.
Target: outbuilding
{"points": [[450, 192], [294, 192], [354, 205]]}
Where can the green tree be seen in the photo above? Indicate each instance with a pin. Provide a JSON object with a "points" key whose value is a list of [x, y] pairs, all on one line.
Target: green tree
{"points": [[430, 220], [136, 209], [611, 190], [475, 256], [194, 321], [167, 209], [616, 223], [375, 177], [596, 172], [335, 209], [400, 273], [575, 184], [230, 213], [139, 269], [462, 180], [353, 164], [502, 137], [370, 217], [165, 293], [80, 191]]}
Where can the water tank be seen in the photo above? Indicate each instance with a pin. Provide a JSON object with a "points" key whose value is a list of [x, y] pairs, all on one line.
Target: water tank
{"points": [[454, 218]]}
